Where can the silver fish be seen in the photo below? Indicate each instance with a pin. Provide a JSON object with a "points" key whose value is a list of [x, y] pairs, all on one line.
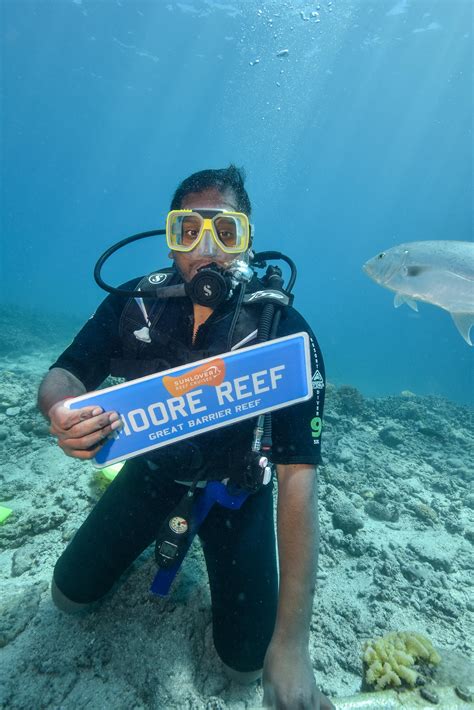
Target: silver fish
{"points": [[436, 272]]}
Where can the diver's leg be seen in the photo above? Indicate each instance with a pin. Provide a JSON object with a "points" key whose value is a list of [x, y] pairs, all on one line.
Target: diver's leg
{"points": [[121, 525], [64, 604], [242, 677], [240, 551]]}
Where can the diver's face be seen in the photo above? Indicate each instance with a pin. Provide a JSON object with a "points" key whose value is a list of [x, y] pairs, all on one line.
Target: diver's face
{"points": [[207, 251]]}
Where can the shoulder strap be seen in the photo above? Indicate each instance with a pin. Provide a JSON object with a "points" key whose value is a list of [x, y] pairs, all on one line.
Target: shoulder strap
{"points": [[139, 313]]}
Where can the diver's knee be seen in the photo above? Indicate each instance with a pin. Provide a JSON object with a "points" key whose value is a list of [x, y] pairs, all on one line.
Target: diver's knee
{"points": [[65, 604], [242, 677]]}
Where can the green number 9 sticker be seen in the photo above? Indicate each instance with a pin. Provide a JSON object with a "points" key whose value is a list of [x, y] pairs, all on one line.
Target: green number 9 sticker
{"points": [[316, 425]]}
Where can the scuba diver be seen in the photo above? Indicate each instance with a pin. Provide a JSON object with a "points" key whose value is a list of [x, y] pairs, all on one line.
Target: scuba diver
{"points": [[210, 301]]}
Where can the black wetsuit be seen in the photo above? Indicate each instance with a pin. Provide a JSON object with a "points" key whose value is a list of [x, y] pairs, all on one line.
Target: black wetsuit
{"points": [[239, 545]]}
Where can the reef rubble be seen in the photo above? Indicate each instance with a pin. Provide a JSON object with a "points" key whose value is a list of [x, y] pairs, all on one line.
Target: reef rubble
{"points": [[396, 552]]}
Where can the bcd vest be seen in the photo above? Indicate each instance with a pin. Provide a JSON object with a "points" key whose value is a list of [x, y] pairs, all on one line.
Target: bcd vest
{"points": [[169, 330], [168, 325]]}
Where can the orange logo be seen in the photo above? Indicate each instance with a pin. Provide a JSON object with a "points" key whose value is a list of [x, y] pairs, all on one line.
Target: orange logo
{"points": [[212, 373]]}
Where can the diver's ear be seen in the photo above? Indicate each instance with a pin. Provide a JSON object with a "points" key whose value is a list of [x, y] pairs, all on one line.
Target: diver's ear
{"points": [[171, 255]]}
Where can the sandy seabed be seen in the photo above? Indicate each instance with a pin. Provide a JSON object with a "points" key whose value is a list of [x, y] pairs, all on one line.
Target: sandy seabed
{"points": [[396, 553]]}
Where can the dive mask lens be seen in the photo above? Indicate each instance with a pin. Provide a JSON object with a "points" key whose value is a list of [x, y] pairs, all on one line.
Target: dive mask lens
{"points": [[183, 230], [229, 230], [232, 232]]}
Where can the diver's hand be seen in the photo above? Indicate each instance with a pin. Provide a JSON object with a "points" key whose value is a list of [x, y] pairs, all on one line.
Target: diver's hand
{"points": [[81, 432], [288, 680]]}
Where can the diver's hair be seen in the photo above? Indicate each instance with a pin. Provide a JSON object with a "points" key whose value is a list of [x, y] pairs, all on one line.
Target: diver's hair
{"points": [[227, 179]]}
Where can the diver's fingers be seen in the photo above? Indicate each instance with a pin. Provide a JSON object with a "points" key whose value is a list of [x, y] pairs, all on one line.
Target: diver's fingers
{"points": [[83, 455], [63, 418], [88, 441], [107, 420], [268, 697]]}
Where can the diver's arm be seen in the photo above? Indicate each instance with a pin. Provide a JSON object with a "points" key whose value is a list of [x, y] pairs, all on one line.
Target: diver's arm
{"points": [[57, 386], [298, 533], [288, 677]]}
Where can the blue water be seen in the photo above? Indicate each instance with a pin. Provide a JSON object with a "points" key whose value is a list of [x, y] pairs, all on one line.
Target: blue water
{"points": [[357, 140]]}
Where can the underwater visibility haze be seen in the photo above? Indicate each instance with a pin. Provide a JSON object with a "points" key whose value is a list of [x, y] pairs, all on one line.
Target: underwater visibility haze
{"points": [[353, 122]]}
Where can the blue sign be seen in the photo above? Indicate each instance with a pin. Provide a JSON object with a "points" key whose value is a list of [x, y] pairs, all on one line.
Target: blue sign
{"points": [[176, 404]]}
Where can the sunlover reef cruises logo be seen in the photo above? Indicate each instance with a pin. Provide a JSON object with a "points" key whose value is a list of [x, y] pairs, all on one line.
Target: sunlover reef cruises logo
{"points": [[212, 373]]}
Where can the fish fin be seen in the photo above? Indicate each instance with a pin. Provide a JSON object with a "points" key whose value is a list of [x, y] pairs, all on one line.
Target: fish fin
{"points": [[464, 322], [400, 299]]}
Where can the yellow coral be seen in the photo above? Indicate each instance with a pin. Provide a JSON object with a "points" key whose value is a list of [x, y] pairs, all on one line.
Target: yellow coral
{"points": [[389, 659]]}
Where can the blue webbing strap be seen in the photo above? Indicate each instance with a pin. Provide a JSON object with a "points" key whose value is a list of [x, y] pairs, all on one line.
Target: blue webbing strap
{"points": [[214, 492]]}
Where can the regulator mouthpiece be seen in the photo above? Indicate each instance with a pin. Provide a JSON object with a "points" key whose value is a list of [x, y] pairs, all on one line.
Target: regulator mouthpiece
{"points": [[210, 286]]}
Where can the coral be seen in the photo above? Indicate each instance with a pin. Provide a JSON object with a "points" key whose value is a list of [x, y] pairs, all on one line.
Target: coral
{"points": [[378, 511], [424, 512], [346, 518], [391, 436], [350, 400], [390, 659]]}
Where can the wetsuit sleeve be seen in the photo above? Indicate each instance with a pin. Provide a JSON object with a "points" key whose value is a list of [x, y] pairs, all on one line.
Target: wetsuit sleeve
{"points": [[89, 355], [296, 430]]}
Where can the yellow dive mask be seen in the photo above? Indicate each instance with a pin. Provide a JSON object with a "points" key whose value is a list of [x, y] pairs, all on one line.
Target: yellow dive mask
{"points": [[229, 230]]}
